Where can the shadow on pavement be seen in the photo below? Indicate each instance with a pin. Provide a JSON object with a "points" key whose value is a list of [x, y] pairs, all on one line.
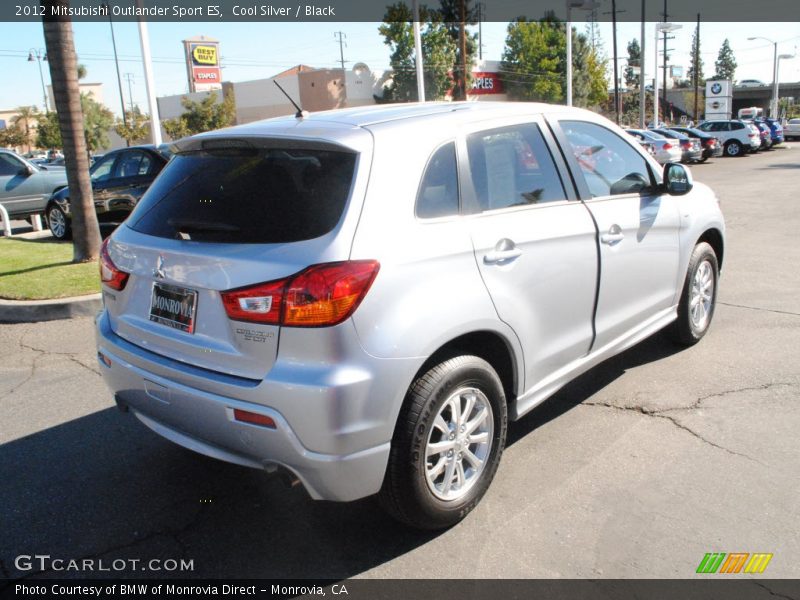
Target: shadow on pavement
{"points": [[104, 486]]}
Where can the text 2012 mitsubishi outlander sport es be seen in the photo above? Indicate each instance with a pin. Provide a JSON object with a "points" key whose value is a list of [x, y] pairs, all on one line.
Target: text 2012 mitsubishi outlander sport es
{"points": [[362, 298]]}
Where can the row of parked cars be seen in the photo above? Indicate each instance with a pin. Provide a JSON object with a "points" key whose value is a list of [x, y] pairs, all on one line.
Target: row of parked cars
{"points": [[731, 137], [119, 179]]}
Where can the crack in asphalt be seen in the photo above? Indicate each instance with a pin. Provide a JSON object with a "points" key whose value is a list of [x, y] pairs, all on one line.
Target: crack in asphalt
{"points": [[771, 593], [33, 367], [654, 413], [754, 388], [772, 310]]}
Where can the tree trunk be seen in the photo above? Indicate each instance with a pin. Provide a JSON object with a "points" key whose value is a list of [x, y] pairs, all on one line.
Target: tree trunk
{"points": [[63, 64]]}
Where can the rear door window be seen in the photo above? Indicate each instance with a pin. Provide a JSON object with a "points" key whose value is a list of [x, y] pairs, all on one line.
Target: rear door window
{"points": [[512, 166], [247, 195]]}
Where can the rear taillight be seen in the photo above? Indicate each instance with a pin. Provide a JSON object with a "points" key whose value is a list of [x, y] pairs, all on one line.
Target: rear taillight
{"points": [[109, 273], [709, 142], [686, 144], [321, 295], [667, 146], [258, 304]]}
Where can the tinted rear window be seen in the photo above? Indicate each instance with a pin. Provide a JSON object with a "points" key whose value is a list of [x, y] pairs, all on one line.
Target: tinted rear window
{"points": [[247, 195]]}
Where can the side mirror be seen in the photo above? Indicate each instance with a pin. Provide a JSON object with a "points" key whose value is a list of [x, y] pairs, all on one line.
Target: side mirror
{"points": [[26, 171], [677, 179]]}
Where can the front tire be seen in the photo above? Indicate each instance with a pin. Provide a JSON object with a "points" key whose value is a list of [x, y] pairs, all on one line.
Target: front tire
{"points": [[447, 444], [699, 296], [58, 223]]}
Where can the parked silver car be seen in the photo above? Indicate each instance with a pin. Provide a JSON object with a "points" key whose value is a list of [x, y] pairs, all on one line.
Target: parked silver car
{"points": [[666, 150], [364, 298]]}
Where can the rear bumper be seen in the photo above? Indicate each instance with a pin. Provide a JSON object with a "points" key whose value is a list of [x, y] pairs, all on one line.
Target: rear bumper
{"points": [[203, 420]]}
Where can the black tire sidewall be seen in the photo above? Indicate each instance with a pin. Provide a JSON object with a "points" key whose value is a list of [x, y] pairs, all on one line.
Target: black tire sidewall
{"points": [[54, 207], [687, 332], [464, 371]]}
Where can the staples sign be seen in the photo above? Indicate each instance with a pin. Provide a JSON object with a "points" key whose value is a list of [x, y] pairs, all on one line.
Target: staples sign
{"points": [[486, 83]]}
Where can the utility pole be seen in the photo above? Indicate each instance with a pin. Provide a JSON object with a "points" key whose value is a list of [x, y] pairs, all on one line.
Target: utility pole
{"points": [[462, 45], [129, 78], [666, 18], [616, 67], [480, 30], [341, 36], [418, 53], [696, 60], [642, 93]]}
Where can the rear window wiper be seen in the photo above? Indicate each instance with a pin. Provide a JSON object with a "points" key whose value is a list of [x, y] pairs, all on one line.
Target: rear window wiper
{"points": [[194, 225]]}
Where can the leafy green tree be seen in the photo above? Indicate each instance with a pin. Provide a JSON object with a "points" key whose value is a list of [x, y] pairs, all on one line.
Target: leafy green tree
{"points": [[634, 60], [135, 128], [11, 137], [97, 122], [696, 61], [438, 54], [25, 121], [725, 64], [534, 64], [533, 60], [206, 115], [48, 134]]}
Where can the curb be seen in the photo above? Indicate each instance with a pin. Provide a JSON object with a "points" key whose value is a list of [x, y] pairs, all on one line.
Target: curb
{"points": [[32, 311]]}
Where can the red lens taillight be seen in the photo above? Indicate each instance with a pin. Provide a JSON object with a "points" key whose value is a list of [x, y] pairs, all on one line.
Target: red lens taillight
{"points": [[258, 304], [686, 144], [245, 416], [109, 273], [710, 142], [667, 146], [321, 295]]}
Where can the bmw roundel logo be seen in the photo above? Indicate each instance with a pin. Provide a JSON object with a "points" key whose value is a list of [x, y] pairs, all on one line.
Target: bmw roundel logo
{"points": [[716, 88]]}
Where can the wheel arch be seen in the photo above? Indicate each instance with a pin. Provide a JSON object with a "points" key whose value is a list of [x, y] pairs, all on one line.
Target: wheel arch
{"points": [[713, 237], [488, 345]]}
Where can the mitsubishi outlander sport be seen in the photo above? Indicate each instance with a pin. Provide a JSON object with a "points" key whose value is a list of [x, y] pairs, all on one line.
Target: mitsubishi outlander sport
{"points": [[364, 298]]}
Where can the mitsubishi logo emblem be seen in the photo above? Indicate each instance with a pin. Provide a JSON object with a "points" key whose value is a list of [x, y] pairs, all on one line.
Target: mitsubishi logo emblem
{"points": [[159, 270]]}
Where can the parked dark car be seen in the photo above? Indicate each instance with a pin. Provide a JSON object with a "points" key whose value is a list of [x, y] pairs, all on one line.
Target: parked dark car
{"points": [[119, 179], [775, 129], [690, 148], [24, 186], [711, 145]]}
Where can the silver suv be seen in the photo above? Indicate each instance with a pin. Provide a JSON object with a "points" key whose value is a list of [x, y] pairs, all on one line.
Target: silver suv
{"points": [[363, 298]]}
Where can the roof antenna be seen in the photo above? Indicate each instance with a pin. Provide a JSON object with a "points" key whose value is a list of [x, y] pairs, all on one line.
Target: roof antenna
{"points": [[300, 114]]}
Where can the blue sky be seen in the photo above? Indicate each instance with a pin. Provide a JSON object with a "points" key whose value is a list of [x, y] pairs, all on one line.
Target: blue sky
{"points": [[257, 50]]}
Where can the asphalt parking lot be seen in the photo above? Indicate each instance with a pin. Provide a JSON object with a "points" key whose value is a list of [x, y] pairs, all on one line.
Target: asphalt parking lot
{"points": [[636, 470]]}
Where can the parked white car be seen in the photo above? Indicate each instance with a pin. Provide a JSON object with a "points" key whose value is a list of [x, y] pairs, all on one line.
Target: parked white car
{"points": [[737, 137], [791, 130], [666, 150]]}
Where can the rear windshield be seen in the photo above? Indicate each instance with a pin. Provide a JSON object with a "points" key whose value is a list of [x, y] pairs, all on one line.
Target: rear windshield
{"points": [[247, 195]]}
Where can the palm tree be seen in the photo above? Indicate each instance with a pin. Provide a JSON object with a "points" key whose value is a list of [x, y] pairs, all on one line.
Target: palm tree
{"points": [[63, 64], [22, 121]]}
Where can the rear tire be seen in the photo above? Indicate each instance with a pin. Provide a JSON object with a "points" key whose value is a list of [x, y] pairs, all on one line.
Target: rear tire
{"points": [[58, 223], [447, 444], [698, 298], [733, 148]]}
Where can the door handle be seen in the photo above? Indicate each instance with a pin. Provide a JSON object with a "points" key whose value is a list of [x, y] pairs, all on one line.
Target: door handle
{"points": [[613, 236], [504, 251]]}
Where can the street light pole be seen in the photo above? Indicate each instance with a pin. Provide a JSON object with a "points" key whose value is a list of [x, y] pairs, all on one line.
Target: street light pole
{"points": [[418, 54], [666, 28], [40, 55], [777, 93], [774, 102], [580, 5]]}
